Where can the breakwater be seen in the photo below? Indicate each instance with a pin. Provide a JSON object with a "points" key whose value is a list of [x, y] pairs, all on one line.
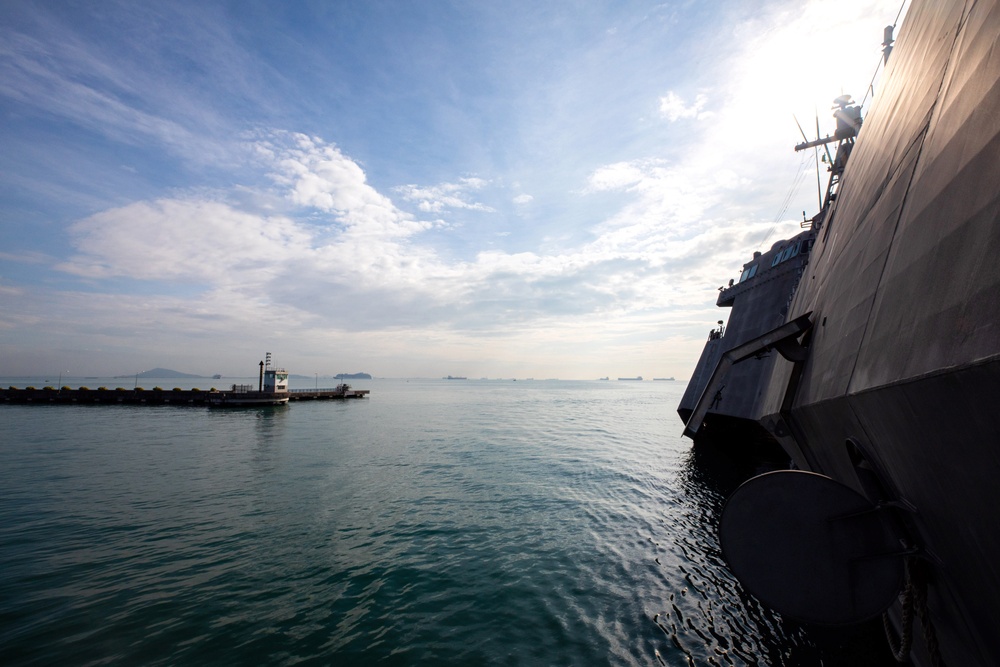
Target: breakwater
{"points": [[155, 396]]}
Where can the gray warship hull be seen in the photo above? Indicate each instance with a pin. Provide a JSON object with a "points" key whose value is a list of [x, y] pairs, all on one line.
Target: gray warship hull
{"points": [[897, 377], [904, 297]]}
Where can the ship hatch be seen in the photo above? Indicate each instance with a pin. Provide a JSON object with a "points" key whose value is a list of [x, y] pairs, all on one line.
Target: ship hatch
{"points": [[811, 548]]}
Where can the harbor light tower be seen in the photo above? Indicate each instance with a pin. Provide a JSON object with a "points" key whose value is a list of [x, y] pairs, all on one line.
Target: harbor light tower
{"points": [[275, 379]]}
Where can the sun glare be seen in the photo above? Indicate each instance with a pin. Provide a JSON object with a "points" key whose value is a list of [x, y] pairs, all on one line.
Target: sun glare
{"points": [[822, 52]]}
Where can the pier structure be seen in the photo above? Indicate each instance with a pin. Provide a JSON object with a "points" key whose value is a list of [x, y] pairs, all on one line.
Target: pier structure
{"points": [[338, 392], [157, 396], [272, 389]]}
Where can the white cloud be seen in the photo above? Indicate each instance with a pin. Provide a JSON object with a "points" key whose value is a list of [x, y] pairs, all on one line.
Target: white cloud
{"points": [[323, 252], [359, 246], [437, 198], [318, 175], [673, 108], [186, 241], [618, 176], [365, 265]]}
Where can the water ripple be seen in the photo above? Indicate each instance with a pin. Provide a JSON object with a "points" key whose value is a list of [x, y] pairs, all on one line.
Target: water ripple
{"points": [[486, 523]]}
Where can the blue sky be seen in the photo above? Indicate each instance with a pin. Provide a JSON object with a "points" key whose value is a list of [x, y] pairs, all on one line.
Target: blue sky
{"points": [[514, 189]]}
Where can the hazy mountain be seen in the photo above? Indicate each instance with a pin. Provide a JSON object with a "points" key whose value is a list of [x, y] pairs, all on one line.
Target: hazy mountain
{"points": [[162, 373]]}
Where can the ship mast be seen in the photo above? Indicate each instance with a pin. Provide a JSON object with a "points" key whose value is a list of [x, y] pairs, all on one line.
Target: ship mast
{"points": [[848, 115]]}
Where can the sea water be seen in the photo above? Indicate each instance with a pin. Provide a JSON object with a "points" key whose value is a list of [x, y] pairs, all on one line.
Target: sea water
{"points": [[444, 522]]}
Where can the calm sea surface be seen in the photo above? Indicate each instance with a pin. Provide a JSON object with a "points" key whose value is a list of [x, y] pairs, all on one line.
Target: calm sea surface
{"points": [[436, 522]]}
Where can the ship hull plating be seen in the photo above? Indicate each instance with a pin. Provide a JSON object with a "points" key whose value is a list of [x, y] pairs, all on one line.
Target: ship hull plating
{"points": [[892, 390], [903, 365]]}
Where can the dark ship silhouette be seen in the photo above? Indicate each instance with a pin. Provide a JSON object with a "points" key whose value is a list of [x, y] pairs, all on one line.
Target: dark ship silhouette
{"points": [[871, 356]]}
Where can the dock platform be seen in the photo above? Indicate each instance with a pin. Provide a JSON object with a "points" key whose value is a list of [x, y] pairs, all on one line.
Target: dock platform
{"points": [[341, 392], [158, 396]]}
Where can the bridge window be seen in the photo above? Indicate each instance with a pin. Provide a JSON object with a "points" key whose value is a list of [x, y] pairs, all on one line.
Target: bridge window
{"points": [[748, 273], [790, 252], [784, 254]]}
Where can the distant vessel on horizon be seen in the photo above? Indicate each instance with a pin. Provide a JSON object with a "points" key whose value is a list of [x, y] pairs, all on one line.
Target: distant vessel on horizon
{"points": [[637, 378], [455, 377]]}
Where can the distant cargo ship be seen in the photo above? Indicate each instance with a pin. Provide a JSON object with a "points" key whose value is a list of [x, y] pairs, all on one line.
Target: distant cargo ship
{"points": [[637, 378]]}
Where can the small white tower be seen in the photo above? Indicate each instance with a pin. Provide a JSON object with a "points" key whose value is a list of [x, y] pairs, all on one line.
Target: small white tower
{"points": [[275, 379]]}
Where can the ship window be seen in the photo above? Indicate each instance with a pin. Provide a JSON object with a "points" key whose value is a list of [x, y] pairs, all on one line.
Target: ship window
{"points": [[748, 273], [777, 258]]}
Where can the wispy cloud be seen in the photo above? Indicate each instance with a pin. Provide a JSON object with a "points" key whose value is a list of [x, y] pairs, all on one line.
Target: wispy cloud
{"points": [[637, 210], [365, 257], [75, 82], [27, 257], [437, 198], [673, 107]]}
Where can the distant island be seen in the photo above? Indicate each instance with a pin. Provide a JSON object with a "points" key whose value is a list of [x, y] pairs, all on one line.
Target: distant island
{"points": [[352, 376], [670, 379], [450, 377], [637, 378], [160, 373]]}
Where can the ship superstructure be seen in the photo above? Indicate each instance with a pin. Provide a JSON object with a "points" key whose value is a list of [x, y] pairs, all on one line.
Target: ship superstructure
{"points": [[722, 402], [759, 302]]}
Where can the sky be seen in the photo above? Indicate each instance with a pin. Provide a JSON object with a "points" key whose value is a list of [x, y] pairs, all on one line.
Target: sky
{"points": [[409, 189]]}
